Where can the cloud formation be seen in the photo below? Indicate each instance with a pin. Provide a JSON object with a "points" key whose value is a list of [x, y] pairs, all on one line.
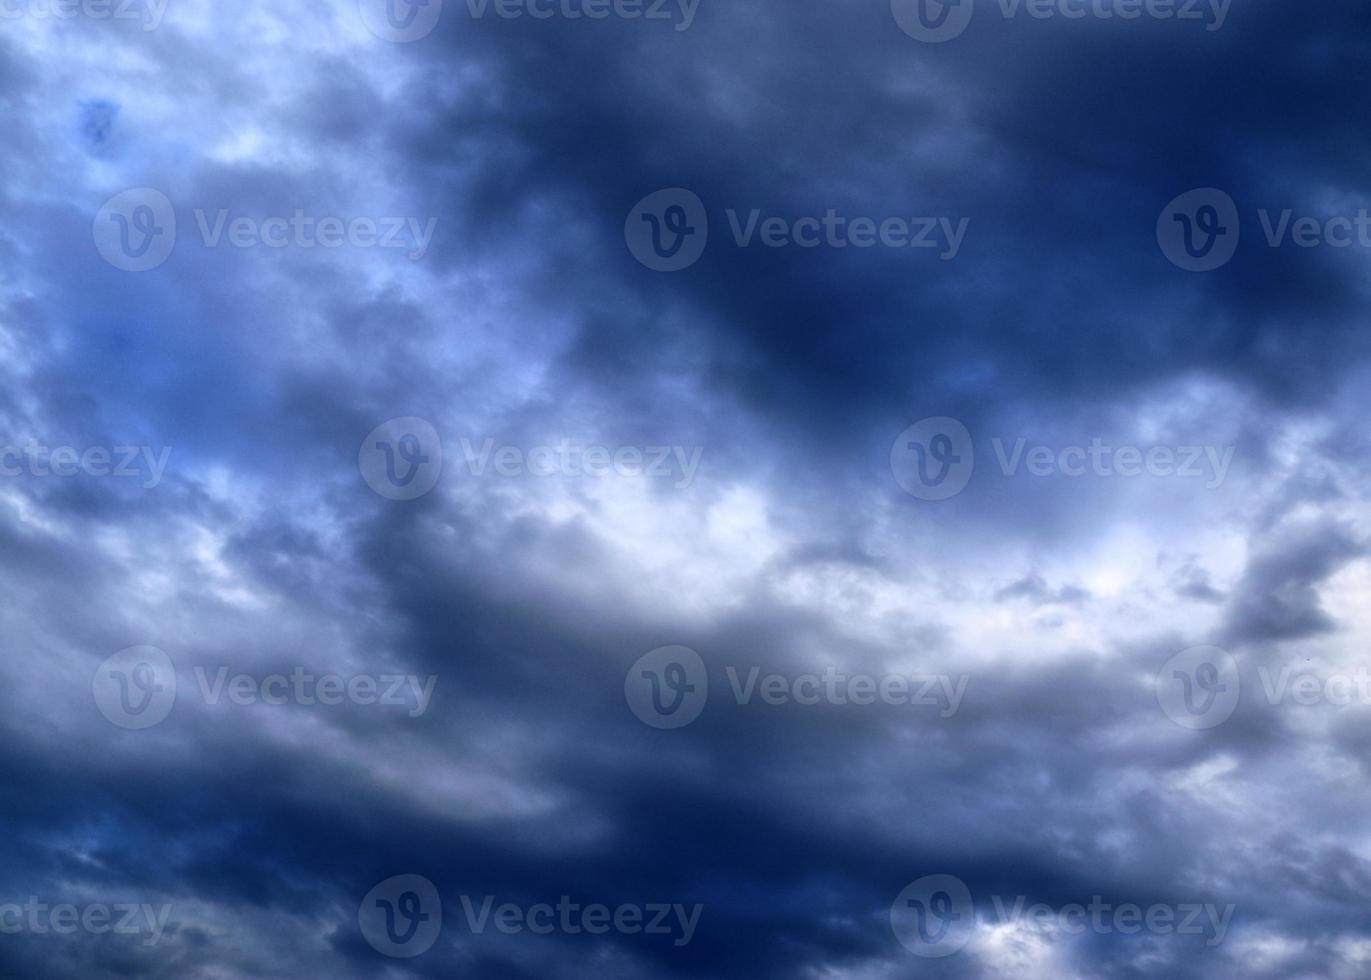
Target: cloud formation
{"points": [[745, 506]]}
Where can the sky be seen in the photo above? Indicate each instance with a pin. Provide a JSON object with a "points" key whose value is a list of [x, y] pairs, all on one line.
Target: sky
{"points": [[675, 489]]}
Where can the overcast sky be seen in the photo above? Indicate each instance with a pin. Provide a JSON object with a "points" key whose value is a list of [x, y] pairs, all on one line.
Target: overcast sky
{"points": [[839, 471]]}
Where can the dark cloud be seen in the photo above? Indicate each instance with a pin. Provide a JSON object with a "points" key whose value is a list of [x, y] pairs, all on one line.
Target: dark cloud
{"points": [[1057, 778]]}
